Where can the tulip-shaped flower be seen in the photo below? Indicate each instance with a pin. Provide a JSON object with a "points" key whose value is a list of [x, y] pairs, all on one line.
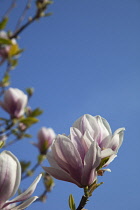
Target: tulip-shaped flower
{"points": [[10, 176], [45, 139], [14, 102], [74, 158], [101, 132]]}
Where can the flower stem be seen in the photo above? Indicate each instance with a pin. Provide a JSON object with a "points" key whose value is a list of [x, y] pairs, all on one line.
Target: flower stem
{"points": [[83, 202], [84, 199]]}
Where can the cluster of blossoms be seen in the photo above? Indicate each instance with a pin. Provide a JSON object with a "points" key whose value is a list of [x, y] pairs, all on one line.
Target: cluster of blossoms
{"points": [[90, 146], [77, 158], [10, 177]]}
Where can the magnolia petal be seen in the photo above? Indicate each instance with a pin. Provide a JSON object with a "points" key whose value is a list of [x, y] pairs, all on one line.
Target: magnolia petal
{"points": [[87, 140], [81, 142], [103, 131], [75, 136], [106, 124], [105, 142], [111, 158], [25, 195], [106, 153], [87, 122], [25, 204], [51, 160], [67, 156], [10, 173], [91, 162], [60, 175], [117, 139], [20, 105], [108, 170]]}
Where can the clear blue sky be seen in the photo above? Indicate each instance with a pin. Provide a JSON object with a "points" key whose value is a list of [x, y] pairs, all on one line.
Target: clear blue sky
{"points": [[85, 58]]}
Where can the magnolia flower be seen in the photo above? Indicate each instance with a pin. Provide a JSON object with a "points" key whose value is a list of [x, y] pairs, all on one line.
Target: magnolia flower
{"points": [[74, 158], [100, 132], [10, 176], [5, 48], [45, 139], [14, 102]]}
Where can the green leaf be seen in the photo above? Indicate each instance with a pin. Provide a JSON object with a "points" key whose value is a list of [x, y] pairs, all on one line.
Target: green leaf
{"points": [[5, 41], [14, 50], [1, 144], [24, 165], [13, 63], [3, 23], [29, 121], [71, 202], [30, 91], [36, 112], [103, 161], [5, 81], [93, 187]]}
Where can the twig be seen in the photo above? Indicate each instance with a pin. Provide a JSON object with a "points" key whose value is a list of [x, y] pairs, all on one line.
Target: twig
{"points": [[28, 5], [13, 4], [32, 170], [11, 142], [7, 128], [31, 20]]}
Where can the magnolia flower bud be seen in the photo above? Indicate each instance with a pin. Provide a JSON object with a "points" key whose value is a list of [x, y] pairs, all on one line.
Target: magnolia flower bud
{"points": [[14, 102], [45, 139], [10, 176]]}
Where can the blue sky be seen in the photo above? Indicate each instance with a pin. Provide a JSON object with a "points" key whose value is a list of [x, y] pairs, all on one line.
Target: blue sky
{"points": [[85, 58]]}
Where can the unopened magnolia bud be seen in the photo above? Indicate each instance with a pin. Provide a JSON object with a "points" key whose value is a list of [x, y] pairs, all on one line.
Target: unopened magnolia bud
{"points": [[14, 102], [45, 139]]}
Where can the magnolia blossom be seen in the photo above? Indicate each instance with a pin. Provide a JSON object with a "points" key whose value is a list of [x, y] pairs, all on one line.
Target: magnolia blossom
{"points": [[10, 176], [74, 158], [79, 157], [5, 48], [100, 132], [45, 139], [14, 102]]}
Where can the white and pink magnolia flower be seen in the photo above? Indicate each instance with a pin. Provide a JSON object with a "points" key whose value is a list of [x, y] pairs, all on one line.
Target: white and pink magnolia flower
{"points": [[45, 139], [14, 102], [74, 158], [101, 133], [10, 177], [80, 156]]}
